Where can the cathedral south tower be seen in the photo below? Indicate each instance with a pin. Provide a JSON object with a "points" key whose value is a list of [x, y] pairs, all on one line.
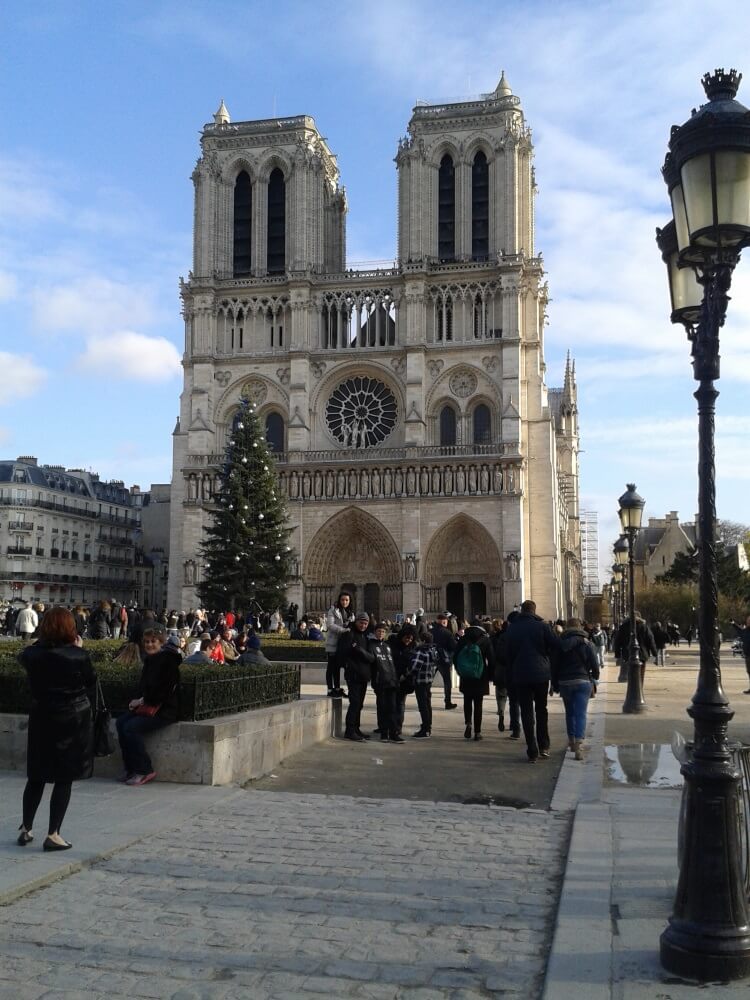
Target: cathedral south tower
{"points": [[423, 459]]}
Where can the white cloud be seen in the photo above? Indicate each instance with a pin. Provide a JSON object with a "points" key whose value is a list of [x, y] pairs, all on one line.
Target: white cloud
{"points": [[21, 377], [126, 355], [90, 304]]}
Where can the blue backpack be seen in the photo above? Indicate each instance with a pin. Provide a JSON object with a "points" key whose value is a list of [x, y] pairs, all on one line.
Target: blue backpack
{"points": [[470, 662]]}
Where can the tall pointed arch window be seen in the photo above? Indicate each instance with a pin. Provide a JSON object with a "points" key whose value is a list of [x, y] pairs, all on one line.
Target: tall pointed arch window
{"points": [[480, 208], [446, 209], [243, 219], [447, 427], [444, 317], [275, 432], [276, 222], [481, 424]]}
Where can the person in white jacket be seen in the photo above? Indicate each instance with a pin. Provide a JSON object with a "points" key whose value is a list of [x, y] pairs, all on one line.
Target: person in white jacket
{"points": [[27, 622], [338, 619]]}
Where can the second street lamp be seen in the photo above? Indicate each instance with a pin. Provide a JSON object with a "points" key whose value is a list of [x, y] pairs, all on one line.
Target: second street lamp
{"points": [[631, 512], [621, 550]]}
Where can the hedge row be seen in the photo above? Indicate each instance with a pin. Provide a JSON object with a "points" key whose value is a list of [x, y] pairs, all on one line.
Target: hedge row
{"points": [[205, 692], [273, 647]]}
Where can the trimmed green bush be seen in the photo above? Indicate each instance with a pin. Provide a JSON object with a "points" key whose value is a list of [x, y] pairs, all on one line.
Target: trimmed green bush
{"points": [[205, 692]]}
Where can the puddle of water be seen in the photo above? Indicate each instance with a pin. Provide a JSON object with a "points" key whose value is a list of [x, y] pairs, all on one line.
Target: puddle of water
{"points": [[647, 765]]}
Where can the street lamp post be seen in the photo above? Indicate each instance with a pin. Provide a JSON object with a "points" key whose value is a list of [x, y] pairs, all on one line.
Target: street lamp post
{"points": [[631, 512], [621, 551], [707, 171]]}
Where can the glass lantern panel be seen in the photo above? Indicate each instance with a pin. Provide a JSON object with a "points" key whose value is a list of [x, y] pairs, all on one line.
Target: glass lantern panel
{"points": [[733, 189], [687, 293], [680, 219], [696, 186]]}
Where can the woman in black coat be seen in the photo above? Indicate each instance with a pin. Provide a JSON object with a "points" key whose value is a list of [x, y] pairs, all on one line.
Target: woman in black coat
{"points": [[60, 744]]}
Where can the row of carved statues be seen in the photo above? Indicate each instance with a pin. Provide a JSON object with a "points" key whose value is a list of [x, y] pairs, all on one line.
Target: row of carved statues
{"points": [[389, 481]]}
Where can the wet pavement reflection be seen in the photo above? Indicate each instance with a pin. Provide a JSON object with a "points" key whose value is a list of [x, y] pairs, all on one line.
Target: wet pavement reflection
{"points": [[647, 765]]}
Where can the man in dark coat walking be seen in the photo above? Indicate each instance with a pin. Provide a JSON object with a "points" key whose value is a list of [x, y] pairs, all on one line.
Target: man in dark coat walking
{"points": [[531, 644], [445, 644], [354, 655]]}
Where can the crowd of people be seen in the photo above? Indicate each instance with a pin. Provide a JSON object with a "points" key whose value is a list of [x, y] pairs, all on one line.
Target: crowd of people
{"points": [[525, 659]]}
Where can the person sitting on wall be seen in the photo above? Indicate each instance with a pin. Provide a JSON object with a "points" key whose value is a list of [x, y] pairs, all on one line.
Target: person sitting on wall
{"points": [[156, 704], [300, 632], [201, 654], [252, 655], [314, 633]]}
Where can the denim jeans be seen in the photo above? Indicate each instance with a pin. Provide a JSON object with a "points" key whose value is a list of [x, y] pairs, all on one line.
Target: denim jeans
{"points": [[575, 696], [424, 704], [131, 729]]}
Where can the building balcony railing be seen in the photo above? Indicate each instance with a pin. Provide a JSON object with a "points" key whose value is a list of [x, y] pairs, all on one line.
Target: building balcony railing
{"points": [[21, 525], [65, 508], [372, 456], [66, 578], [14, 550]]}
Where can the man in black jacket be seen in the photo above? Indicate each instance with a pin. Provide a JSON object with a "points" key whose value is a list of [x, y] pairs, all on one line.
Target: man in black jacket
{"points": [[353, 654], [445, 644], [530, 645], [645, 644]]}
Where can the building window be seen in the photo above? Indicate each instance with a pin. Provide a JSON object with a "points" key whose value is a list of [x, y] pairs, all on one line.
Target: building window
{"points": [[481, 424], [444, 319], [275, 432], [446, 209], [480, 208], [276, 222], [243, 219], [447, 427]]}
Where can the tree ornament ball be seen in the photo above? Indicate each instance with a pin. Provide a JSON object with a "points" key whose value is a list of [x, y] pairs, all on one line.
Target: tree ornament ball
{"points": [[231, 442], [241, 426], [255, 444], [246, 507], [277, 558], [289, 548], [236, 558], [261, 517], [265, 468], [244, 459]]}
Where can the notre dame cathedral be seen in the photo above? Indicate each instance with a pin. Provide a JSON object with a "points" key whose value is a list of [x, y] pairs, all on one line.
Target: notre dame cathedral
{"points": [[424, 460]]}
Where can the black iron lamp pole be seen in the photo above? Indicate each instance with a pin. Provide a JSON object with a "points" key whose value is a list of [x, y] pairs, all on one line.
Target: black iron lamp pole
{"points": [[707, 171], [621, 550], [631, 511]]}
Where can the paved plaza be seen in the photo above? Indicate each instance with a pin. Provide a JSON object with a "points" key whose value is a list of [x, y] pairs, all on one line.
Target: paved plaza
{"points": [[281, 890]]}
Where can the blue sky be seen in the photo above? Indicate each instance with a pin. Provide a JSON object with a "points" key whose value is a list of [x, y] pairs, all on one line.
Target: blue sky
{"points": [[102, 105]]}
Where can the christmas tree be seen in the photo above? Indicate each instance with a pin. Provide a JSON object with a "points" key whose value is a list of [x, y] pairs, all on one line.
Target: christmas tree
{"points": [[246, 558]]}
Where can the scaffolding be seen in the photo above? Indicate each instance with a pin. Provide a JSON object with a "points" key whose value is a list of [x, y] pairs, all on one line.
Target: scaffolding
{"points": [[589, 521]]}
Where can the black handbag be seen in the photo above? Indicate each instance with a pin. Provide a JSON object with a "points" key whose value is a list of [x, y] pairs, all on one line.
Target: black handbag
{"points": [[104, 744]]}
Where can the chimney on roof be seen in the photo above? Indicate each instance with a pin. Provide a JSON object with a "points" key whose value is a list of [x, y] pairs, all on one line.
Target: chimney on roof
{"points": [[28, 459]]}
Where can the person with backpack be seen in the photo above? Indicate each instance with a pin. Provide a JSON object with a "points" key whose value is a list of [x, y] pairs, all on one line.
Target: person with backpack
{"points": [[574, 672], [475, 665]]}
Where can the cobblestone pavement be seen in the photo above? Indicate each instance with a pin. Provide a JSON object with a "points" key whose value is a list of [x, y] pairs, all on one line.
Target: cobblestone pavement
{"points": [[275, 895]]}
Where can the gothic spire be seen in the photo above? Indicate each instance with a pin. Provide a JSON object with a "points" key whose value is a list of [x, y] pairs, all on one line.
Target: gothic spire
{"points": [[221, 117], [503, 88]]}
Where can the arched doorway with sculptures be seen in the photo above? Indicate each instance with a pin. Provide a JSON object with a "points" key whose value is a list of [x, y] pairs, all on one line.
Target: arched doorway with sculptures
{"points": [[463, 570], [353, 551]]}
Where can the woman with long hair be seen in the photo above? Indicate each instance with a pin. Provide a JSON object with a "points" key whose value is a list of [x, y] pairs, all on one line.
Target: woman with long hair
{"points": [[60, 745], [338, 619]]}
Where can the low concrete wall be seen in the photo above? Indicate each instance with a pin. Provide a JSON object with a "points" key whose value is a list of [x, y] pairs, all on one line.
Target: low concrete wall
{"points": [[229, 750]]}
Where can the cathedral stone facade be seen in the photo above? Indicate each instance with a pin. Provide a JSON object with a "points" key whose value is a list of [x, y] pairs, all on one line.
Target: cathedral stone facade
{"points": [[423, 459]]}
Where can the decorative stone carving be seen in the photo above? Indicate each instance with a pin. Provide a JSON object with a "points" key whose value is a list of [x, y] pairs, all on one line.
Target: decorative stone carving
{"points": [[490, 364], [255, 390], [410, 566], [511, 566], [317, 368], [223, 378], [283, 375], [398, 365], [463, 383], [435, 367], [189, 573]]}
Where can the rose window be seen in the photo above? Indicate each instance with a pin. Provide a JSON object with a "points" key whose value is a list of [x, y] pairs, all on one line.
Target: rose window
{"points": [[361, 412]]}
